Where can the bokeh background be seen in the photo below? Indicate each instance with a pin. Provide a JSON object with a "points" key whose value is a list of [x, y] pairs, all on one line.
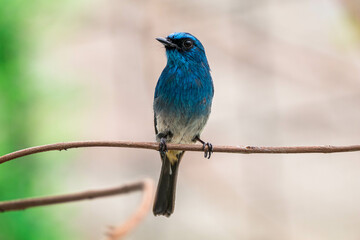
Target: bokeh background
{"points": [[285, 73]]}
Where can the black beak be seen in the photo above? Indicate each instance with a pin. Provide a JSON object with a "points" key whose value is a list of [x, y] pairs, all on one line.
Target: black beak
{"points": [[167, 43]]}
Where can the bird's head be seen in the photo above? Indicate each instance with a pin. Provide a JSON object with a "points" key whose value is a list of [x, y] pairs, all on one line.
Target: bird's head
{"points": [[183, 49]]}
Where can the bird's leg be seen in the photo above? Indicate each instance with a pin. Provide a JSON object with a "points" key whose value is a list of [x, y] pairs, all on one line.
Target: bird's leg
{"points": [[162, 145], [207, 147], [163, 137]]}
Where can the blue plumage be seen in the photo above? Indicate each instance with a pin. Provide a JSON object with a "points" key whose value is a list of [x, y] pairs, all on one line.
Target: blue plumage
{"points": [[182, 105]]}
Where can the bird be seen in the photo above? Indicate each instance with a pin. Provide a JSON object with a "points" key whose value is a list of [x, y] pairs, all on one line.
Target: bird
{"points": [[182, 105]]}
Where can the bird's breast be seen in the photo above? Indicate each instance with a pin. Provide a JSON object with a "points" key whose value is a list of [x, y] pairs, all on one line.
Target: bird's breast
{"points": [[182, 102]]}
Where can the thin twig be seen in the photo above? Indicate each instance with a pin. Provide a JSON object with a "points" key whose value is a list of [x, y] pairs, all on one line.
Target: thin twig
{"points": [[143, 209], [185, 147], [21, 204]]}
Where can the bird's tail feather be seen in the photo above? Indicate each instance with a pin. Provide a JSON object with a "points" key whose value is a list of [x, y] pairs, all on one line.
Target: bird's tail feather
{"points": [[165, 195]]}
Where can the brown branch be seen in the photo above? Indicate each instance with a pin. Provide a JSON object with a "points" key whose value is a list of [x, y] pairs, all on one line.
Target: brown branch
{"points": [[21, 204], [185, 147], [143, 209]]}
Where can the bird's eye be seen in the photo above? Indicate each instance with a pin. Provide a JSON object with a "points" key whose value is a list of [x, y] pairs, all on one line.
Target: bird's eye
{"points": [[188, 44]]}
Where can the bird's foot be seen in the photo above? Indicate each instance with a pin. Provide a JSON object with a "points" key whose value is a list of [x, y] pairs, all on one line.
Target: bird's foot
{"points": [[162, 146], [208, 149]]}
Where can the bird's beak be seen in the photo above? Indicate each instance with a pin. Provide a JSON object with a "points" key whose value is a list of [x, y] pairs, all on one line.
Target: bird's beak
{"points": [[167, 43]]}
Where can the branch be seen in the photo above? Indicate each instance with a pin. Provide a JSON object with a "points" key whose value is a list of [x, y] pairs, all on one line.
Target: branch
{"points": [[21, 204], [138, 216], [185, 147]]}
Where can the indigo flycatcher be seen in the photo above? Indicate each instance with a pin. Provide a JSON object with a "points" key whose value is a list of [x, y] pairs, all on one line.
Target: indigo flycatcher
{"points": [[182, 105]]}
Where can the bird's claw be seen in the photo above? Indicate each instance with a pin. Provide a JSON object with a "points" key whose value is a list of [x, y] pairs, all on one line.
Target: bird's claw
{"points": [[208, 149], [162, 146]]}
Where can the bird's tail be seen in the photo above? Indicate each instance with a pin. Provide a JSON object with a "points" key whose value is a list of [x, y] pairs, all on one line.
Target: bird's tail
{"points": [[165, 195]]}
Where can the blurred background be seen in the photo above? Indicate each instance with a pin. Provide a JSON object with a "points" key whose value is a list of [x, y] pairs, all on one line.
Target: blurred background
{"points": [[285, 73]]}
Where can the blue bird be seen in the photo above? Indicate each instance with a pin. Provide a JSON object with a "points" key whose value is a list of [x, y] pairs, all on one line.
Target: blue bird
{"points": [[182, 105]]}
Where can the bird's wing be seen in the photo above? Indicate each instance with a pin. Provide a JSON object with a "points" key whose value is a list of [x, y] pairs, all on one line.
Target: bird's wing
{"points": [[155, 124]]}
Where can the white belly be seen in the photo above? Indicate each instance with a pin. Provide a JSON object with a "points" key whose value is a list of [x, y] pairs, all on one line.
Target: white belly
{"points": [[183, 132]]}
